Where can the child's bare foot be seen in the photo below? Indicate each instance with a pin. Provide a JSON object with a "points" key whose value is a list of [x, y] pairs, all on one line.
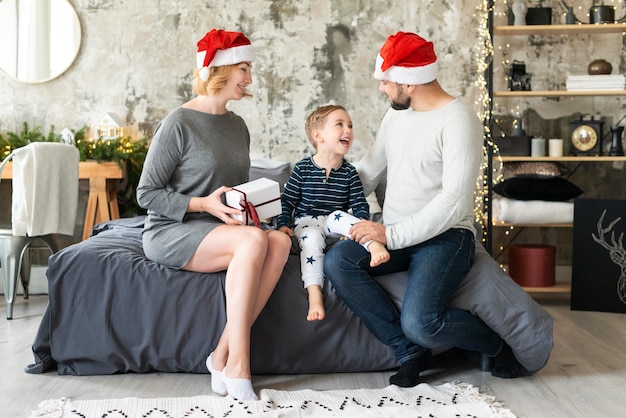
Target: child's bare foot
{"points": [[378, 253], [316, 303], [316, 313]]}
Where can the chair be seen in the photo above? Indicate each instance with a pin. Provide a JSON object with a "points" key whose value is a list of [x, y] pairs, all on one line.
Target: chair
{"points": [[44, 202]]}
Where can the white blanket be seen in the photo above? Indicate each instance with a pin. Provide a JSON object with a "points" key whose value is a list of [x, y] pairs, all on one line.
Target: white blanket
{"points": [[532, 211], [45, 189]]}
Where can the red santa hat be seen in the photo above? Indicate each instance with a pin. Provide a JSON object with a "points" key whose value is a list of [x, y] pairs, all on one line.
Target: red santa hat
{"points": [[219, 47], [406, 58]]}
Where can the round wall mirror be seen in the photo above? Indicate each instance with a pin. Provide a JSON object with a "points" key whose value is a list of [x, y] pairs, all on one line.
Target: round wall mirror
{"points": [[40, 38]]}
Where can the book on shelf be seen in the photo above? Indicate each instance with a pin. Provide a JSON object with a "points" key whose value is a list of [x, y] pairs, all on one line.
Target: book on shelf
{"points": [[601, 82]]}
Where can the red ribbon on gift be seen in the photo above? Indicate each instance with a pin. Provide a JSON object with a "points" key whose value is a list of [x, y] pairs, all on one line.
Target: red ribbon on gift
{"points": [[250, 211]]}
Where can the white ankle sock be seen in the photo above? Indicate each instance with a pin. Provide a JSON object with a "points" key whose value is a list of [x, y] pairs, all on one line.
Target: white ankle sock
{"points": [[240, 389], [217, 378]]}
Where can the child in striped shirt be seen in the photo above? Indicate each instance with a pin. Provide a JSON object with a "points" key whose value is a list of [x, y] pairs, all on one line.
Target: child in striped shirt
{"points": [[317, 197]]}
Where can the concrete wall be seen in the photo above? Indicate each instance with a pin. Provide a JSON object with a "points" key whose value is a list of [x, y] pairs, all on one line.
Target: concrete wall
{"points": [[136, 60]]}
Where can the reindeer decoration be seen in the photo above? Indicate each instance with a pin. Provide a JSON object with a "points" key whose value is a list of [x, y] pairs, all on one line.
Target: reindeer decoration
{"points": [[617, 252]]}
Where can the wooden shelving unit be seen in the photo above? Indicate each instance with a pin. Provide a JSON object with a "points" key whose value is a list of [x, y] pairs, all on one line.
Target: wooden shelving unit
{"points": [[574, 158], [578, 29], [550, 30], [559, 93], [559, 287], [506, 225]]}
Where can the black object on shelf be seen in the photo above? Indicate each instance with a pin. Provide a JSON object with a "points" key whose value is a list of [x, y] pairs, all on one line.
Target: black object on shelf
{"points": [[602, 14], [513, 145], [616, 144], [519, 79], [539, 16]]}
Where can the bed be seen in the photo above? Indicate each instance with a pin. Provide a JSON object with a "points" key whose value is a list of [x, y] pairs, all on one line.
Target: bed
{"points": [[111, 310]]}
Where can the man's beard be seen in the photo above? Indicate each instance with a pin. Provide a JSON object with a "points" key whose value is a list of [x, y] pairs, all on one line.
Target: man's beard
{"points": [[401, 105]]}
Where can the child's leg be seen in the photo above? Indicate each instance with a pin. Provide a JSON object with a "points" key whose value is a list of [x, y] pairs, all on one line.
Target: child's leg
{"points": [[340, 222], [316, 303], [378, 253], [312, 240]]}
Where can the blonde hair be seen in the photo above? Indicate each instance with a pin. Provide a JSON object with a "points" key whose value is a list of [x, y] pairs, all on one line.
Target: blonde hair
{"points": [[218, 77], [317, 120]]}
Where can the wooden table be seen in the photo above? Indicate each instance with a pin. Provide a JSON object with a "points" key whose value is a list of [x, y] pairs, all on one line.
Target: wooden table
{"points": [[102, 202]]}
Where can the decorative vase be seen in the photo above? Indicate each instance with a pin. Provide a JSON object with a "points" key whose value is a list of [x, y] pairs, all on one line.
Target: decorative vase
{"points": [[602, 14], [599, 66], [518, 130], [570, 17], [519, 9]]}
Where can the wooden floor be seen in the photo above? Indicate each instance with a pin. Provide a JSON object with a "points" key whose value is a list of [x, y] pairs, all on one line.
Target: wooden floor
{"points": [[585, 377]]}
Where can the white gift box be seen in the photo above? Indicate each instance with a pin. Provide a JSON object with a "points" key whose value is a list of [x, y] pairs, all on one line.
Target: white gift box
{"points": [[261, 195]]}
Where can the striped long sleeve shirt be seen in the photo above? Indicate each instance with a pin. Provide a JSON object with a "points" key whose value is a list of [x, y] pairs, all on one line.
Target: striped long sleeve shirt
{"points": [[309, 192]]}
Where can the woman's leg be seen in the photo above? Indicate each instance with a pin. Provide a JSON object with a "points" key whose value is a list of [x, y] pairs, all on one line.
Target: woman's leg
{"points": [[253, 260]]}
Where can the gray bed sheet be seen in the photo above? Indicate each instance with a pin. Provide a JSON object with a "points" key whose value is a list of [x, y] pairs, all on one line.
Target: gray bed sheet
{"points": [[111, 310]]}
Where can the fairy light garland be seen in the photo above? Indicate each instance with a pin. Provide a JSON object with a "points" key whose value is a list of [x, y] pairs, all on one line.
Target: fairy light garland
{"points": [[483, 57]]}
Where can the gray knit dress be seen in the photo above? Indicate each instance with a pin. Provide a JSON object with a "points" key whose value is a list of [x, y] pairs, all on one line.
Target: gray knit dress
{"points": [[191, 154]]}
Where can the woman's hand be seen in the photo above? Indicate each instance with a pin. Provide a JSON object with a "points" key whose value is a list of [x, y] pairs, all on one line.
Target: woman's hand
{"points": [[213, 204]]}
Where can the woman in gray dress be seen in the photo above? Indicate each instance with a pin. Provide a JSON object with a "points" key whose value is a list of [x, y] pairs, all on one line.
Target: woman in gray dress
{"points": [[198, 151]]}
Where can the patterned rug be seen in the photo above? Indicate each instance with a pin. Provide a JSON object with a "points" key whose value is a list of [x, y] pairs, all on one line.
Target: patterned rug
{"points": [[448, 400]]}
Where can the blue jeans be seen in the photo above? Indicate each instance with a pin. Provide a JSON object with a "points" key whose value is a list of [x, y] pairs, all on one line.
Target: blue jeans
{"points": [[435, 269]]}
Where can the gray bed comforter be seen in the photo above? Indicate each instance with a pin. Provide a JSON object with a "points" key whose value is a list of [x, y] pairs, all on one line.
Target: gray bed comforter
{"points": [[111, 310]]}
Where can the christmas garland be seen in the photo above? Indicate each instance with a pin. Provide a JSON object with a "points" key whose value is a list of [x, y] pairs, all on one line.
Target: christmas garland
{"points": [[128, 151]]}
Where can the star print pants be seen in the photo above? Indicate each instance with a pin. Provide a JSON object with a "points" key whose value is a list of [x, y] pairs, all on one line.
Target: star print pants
{"points": [[311, 232]]}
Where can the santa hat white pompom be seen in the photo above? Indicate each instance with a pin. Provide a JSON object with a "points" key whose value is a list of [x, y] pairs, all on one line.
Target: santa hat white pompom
{"points": [[203, 73], [406, 58], [219, 47]]}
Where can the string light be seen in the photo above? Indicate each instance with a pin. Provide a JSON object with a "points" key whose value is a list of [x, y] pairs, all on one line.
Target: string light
{"points": [[483, 57]]}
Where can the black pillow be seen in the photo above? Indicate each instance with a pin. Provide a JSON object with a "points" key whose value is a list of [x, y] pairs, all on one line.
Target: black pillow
{"points": [[555, 189]]}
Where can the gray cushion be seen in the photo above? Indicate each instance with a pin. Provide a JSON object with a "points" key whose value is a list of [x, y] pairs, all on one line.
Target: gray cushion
{"points": [[273, 170]]}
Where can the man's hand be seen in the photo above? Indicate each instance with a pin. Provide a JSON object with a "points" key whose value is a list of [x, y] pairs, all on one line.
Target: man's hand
{"points": [[364, 231]]}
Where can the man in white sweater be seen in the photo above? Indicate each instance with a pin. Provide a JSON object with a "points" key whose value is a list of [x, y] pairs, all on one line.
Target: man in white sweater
{"points": [[429, 146]]}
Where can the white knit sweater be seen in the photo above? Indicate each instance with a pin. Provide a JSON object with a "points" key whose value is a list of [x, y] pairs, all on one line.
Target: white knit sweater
{"points": [[432, 160]]}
